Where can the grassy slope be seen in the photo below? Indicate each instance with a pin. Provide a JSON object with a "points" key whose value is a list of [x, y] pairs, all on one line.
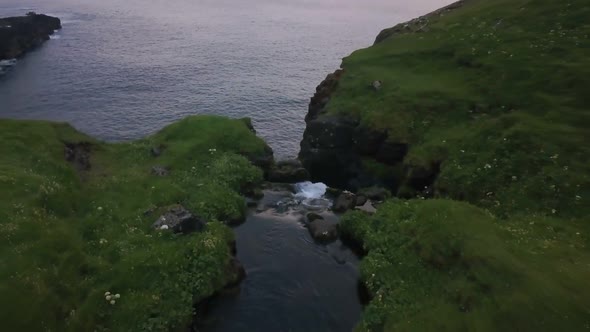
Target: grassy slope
{"points": [[503, 104], [67, 238], [496, 90]]}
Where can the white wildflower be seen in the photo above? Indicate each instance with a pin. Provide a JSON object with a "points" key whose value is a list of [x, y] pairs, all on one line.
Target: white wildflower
{"points": [[554, 211], [113, 302], [107, 293], [117, 296], [99, 208], [578, 198], [108, 297], [164, 227], [487, 166]]}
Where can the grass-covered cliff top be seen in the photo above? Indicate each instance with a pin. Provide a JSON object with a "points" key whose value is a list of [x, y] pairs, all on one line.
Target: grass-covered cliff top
{"points": [[496, 93], [69, 232]]}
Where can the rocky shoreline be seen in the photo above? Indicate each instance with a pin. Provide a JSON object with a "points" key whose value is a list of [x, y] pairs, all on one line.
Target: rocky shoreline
{"points": [[21, 34]]}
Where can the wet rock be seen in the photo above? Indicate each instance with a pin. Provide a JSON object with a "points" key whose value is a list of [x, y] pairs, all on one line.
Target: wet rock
{"points": [[251, 202], [375, 193], [179, 220], [344, 202], [290, 171], [367, 207], [311, 217], [237, 270], [323, 231], [160, 171], [78, 154], [361, 200]]}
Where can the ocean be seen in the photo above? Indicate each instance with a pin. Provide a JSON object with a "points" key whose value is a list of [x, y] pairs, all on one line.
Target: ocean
{"points": [[120, 70]]}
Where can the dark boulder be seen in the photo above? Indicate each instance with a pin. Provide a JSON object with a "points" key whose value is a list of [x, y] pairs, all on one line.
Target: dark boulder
{"points": [[323, 231], [361, 200], [344, 202], [312, 216], [238, 273], [290, 171], [179, 220]]}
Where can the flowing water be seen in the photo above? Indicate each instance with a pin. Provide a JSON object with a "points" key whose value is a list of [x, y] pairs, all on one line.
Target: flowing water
{"points": [[292, 283]]}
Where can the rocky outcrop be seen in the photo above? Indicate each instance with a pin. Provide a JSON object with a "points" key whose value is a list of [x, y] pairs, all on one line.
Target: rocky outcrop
{"points": [[334, 146], [344, 153], [179, 220], [288, 171], [21, 34], [322, 230]]}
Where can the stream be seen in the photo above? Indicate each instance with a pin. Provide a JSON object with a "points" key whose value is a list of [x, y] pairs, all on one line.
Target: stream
{"points": [[292, 282]]}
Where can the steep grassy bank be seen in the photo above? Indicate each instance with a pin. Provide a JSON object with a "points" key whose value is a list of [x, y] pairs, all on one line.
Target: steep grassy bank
{"points": [[70, 232], [486, 103]]}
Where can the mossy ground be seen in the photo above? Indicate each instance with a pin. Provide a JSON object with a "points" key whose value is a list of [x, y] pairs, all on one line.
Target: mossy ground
{"points": [[450, 266], [67, 236], [496, 92]]}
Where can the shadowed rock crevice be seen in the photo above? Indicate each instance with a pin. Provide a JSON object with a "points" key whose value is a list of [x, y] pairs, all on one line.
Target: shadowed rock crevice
{"points": [[344, 153]]}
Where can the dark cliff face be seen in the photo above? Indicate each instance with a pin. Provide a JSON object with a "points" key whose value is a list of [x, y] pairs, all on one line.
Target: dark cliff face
{"points": [[341, 152], [21, 34]]}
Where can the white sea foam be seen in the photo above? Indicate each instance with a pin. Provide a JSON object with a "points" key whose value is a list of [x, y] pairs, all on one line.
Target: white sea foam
{"points": [[308, 190], [54, 36], [7, 63]]}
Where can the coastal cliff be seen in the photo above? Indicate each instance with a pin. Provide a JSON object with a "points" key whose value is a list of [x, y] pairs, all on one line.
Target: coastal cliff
{"points": [[18, 35], [475, 117], [121, 237]]}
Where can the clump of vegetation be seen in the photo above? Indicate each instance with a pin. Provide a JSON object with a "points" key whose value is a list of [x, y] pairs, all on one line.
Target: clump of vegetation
{"points": [[450, 266], [495, 93], [67, 236]]}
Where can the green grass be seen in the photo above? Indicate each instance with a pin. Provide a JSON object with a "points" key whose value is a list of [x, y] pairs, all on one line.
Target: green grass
{"points": [[496, 92], [500, 83], [66, 238], [450, 266]]}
